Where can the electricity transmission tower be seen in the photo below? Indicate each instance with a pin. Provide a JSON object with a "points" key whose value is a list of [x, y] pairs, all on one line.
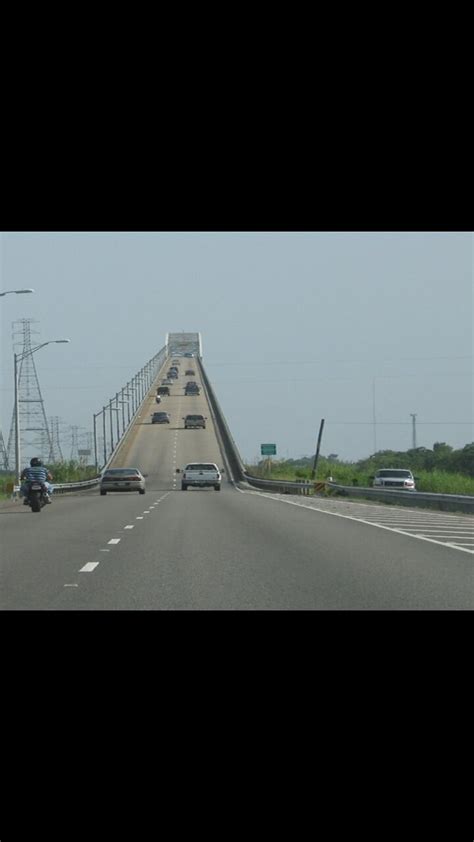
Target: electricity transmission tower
{"points": [[56, 454], [35, 436], [74, 454], [3, 454]]}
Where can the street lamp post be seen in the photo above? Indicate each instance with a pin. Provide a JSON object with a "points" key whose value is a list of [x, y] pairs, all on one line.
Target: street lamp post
{"points": [[104, 435], [16, 359], [117, 416], [127, 395], [111, 426], [96, 415], [374, 417]]}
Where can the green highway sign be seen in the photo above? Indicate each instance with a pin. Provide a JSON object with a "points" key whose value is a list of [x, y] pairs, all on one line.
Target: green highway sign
{"points": [[268, 449]]}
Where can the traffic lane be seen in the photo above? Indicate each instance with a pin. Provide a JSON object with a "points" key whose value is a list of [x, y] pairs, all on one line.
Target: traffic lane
{"points": [[232, 551], [159, 449], [42, 553]]}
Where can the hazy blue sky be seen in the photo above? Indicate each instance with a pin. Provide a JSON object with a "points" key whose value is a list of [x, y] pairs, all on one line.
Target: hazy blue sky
{"points": [[295, 328]]}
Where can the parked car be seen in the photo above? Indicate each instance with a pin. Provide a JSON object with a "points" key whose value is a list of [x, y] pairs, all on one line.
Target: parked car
{"points": [[190, 372], [122, 479], [160, 418], [194, 422], [394, 478]]}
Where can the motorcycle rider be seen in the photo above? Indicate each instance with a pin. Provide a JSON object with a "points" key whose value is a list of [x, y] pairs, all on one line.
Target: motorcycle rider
{"points": [[36, 472]]}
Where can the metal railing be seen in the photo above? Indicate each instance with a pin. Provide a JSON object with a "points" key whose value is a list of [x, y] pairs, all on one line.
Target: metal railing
{"points": [[232, 456], [84, 485], [281, 486], [443, 502]]}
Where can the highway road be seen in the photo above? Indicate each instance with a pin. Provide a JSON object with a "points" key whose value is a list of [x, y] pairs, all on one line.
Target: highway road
{"points": [[232, 550]]}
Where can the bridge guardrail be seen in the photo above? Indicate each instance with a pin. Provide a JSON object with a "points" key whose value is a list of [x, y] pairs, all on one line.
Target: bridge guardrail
{"points": [[444, 502], [63, 487], [232, 456], [280, 486], [84, 485]]}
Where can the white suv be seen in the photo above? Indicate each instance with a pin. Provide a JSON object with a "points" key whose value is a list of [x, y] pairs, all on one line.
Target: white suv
{"points": [[394, 478]]}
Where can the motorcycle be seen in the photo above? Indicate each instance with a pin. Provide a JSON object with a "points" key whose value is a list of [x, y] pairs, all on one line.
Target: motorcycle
{"points": [[158, 399], [36, 496]]}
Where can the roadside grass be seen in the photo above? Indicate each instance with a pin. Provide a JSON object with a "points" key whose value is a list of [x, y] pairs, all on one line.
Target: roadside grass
{"points": [[68, 471], [435, 482]]}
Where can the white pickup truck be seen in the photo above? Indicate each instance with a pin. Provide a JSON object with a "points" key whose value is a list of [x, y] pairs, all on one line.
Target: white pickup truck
{"points": [[201, 475]]}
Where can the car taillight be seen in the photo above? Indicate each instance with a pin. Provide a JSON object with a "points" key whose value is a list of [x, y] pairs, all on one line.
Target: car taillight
{"points": [[134, 479]]}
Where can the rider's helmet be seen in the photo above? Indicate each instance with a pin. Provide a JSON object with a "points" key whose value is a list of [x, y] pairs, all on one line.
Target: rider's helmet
{"points": [[35, 462]]}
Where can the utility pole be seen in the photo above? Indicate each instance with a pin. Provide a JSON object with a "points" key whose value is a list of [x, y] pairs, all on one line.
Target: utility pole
{"points": [[316, 455], [374, 420], [413, 415]]}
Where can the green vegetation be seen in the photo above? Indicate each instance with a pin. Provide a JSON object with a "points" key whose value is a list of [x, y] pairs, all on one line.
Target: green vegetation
{"points": [[439, 471], [70, 471]]}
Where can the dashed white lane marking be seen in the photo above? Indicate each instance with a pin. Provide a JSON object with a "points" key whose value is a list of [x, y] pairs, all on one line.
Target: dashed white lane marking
{"points": [[71, 586], [91, 565], [146, 512]]}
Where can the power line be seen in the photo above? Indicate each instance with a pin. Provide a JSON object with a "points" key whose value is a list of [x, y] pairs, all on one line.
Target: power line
{"points": [[406, 423], [256, 362]]}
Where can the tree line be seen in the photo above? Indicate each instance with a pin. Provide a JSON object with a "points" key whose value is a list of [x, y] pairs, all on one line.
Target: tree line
{"points": [[442, 457]]}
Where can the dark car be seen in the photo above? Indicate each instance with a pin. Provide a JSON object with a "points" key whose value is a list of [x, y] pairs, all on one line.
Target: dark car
{"points": [[122, 479], [194, 422], [189, 372], [163, 390], [160, 418]]}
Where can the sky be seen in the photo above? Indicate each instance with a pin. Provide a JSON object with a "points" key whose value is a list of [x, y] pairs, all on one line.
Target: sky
{"points": [[295, 326]]}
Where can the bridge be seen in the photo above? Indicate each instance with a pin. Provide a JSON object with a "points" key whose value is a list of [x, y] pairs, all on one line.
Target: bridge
{"points": [[244, 548]]}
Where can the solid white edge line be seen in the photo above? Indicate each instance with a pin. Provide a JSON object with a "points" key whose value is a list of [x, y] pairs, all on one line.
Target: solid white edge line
{"points": [[358, 520]]}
